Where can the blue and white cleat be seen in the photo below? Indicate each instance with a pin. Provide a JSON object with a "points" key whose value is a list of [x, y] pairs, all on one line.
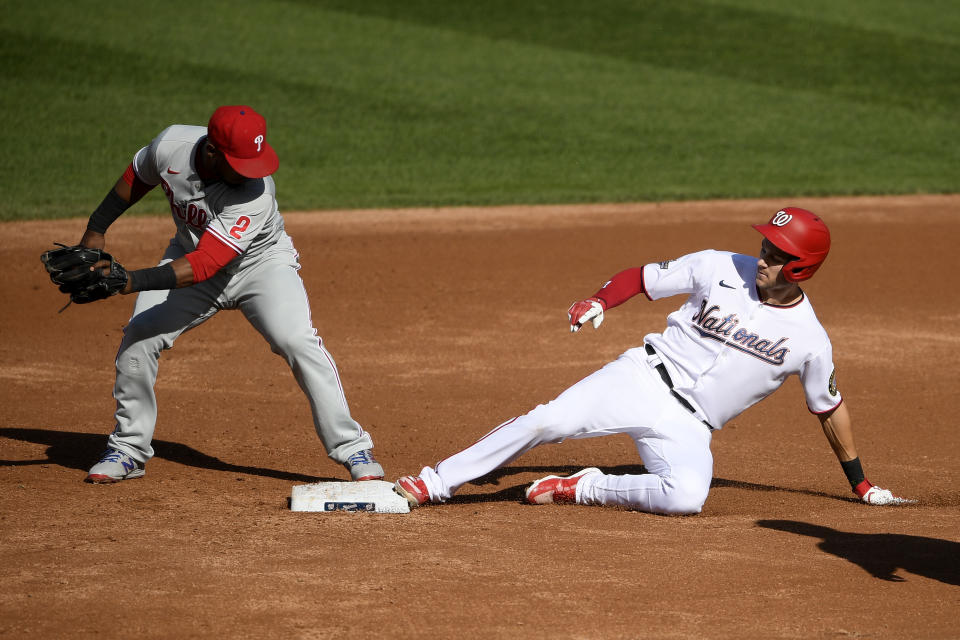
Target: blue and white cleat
{"points": [[362, 466], [114, 466]]}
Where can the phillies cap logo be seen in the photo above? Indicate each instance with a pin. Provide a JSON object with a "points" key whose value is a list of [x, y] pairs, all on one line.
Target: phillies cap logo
{"points": [[259, 142], [781, 219]]}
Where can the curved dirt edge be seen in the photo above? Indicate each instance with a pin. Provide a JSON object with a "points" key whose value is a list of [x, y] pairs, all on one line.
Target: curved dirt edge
{"points": [[455, 219]]}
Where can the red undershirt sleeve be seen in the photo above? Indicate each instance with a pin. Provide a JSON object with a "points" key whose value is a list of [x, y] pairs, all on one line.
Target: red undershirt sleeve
{"points": [[138, 188], [622, 287], [210, 256]]}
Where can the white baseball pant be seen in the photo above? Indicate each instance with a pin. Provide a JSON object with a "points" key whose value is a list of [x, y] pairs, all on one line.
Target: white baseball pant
{"points": [[625, 396]]}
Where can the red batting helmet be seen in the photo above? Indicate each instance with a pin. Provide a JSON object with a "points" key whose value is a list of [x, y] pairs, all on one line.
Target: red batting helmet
{"points": [[801, 234]]}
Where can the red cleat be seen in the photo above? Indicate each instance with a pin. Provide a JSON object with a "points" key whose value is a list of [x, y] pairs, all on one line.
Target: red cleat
{"points": [[413, 489], [557, 489]]}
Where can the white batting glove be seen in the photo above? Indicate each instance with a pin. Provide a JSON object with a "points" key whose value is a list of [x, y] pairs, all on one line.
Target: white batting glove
{"points": [[877, 496], [589, 310]]}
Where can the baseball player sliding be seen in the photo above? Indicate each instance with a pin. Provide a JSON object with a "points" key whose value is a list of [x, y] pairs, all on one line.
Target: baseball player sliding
{"points": [[745, 326], [230, 251]]}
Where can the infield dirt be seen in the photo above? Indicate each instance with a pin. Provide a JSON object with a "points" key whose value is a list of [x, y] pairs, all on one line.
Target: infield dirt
{"points": [[444, 323]]}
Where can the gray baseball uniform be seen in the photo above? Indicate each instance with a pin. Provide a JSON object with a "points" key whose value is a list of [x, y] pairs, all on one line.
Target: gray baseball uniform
{"points": [[261, 281]]}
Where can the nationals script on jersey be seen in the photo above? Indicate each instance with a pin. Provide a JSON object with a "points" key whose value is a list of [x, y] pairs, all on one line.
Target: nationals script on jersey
{"points": [[724, 349], [246, 218]]}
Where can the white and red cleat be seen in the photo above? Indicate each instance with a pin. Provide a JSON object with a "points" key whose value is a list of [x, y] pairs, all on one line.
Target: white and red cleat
{"points": [[413, 489], [557, 489]]}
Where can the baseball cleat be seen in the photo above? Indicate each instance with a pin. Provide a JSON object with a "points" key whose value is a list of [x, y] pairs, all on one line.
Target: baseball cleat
{"points": [[114, 465], [557, 489], [362, 466], [877, 496], [413, 489]]}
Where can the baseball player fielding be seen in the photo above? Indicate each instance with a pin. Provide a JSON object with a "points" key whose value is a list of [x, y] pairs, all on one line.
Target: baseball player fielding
{"points": [[229, 251]]}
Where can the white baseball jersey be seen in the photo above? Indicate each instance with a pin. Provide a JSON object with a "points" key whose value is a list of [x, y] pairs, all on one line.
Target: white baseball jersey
{"points": [[725, 349], [245, 218]]}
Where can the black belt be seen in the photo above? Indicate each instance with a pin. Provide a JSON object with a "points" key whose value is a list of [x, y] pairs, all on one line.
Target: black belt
{"points": [[662, 370]]}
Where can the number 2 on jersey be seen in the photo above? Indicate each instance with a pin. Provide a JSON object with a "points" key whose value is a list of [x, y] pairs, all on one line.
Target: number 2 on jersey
{"points": [[242, 223]]}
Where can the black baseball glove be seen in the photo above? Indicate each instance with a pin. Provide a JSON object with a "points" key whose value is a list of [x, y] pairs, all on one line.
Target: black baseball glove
{"points": [[72, 268]]}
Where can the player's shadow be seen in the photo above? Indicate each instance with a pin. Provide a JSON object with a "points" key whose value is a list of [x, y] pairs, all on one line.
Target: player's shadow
{"points": [[79, 450], [881, 554], [516, 492]]}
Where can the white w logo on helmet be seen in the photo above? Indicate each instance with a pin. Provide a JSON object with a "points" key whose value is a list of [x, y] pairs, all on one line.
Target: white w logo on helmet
{"points": [[781, 219]]}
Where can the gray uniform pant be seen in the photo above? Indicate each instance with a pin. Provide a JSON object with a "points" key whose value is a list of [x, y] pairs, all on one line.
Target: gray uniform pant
{"points": [[270, 294]]}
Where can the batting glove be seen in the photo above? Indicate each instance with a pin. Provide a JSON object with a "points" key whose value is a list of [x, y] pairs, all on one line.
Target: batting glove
{"points": [[877, 496], [589, 310]]}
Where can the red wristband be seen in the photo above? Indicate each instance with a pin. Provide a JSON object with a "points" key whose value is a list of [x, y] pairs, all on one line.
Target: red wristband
{"points": [[862, 488]]}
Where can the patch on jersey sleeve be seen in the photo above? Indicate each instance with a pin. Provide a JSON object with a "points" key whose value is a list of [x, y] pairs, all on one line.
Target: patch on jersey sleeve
{"points": [[665, 264], [832, 384]]}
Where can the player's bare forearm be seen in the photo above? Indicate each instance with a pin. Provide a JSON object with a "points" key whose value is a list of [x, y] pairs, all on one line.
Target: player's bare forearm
{"points": [[838, 429], [93, 239], [184, 271]]}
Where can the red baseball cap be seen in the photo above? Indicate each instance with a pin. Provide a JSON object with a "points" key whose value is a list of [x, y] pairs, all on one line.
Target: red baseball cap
{"points": [[240, 133]]}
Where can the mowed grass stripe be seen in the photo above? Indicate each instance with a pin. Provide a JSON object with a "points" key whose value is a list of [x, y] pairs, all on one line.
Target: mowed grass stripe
{"points": [[753, 45], [377, 107]]}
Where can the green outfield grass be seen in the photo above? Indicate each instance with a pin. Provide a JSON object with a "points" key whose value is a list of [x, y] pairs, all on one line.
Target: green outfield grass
{"points": [[398, 103]]}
